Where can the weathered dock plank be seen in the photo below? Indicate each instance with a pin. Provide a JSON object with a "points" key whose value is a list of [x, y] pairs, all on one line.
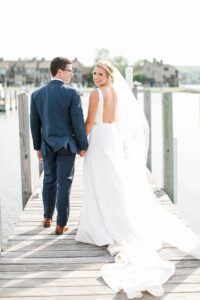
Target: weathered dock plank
{"points": [[38, 265]]}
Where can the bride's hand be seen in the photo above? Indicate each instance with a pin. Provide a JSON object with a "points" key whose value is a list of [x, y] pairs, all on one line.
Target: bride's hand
{"points": [[39, 155], [82, 153]]}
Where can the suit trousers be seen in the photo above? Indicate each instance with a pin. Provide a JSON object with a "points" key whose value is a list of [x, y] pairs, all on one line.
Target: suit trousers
{"points": [[58, 177]]}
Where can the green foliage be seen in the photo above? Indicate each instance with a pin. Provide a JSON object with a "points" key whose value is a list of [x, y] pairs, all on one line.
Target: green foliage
{"points": [[139, 76], [102, 54], [121, 63], [90, 82]]}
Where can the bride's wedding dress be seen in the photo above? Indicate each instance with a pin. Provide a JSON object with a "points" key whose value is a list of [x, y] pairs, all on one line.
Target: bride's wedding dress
{"points": [[121, 211]]}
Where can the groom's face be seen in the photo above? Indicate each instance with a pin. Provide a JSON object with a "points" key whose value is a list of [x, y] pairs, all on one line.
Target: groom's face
{"points": [[67, 73]]}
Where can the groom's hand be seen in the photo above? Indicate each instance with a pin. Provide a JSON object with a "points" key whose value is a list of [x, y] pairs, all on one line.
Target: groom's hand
{"points": [[82, 153], [39, 155]]}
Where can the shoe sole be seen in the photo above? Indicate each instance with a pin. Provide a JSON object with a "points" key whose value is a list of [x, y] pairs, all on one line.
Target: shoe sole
{"points": [[60, 233], [47, 225]]}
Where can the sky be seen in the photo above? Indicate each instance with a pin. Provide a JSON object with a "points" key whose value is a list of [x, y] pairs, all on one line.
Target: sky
{"points": [[167, 30]]}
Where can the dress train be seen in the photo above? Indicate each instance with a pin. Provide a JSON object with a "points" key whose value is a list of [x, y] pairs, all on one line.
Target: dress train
{"points": [[121, 211]]}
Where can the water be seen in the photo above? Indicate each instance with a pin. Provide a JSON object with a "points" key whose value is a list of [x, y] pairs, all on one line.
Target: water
{"points": [[186, 108], [10, 187], [186, 129], [10, 176]]}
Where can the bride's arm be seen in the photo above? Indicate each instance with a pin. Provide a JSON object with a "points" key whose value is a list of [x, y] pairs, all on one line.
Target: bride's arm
{"points": [[92, 109]]}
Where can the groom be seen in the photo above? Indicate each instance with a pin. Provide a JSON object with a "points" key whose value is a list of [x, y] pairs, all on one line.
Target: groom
{"points": [[58, 133]]}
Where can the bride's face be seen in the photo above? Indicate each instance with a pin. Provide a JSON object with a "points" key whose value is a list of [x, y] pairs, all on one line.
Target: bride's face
{"points": [[99, 76]]}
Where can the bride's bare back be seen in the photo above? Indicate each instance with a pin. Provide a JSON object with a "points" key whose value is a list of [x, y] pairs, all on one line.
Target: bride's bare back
{"points": [[109, 105], [103, 79]]}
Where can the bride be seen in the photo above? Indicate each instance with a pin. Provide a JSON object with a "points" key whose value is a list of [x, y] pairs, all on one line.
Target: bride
{"points": [[119, 207]]}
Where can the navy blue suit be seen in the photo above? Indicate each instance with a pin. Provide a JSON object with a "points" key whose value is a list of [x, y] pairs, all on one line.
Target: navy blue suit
{"points": [[58, 130]]}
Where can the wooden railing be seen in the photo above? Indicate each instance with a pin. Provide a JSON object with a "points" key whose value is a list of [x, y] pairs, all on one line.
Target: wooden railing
{"points": [[169, 142]]}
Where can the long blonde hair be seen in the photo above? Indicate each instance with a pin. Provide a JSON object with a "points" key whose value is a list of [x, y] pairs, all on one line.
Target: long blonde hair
{"points": [[107, 66]]}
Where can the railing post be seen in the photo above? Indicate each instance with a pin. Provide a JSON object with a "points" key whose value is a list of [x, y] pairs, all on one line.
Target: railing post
{"points": [[16, 99], [1, 233], [199, 108], [175, 157], [129, 76], [6, 98], [4, 107], [3, 102], [10, 99], [168, 146], [25, 158], [147, 112], [135, 92]]}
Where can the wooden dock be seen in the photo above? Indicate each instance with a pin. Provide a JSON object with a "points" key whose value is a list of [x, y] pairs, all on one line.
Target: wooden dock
{"points": [[39, 265]]}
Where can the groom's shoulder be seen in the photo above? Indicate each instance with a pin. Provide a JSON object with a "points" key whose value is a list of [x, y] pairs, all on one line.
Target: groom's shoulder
{"points": [[38, 90], [71, 90]]}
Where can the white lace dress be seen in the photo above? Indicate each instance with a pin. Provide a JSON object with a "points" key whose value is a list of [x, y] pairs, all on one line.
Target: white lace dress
{"points": [[120, 210]]}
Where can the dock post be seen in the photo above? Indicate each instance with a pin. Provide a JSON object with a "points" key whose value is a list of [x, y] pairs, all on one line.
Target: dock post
{"points": [[175, 170], [168, 145], [10, 99], [15, 96], [25, 158], [147, 112], [1, 233], [129, 76]]}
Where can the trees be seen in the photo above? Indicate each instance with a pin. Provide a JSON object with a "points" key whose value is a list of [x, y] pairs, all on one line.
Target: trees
{"points": [[102, 53], [139, 76], [120, 62]]}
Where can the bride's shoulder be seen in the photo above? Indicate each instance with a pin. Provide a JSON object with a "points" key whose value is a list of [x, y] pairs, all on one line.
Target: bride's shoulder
{"points": [[94, 95], [93, 101]]}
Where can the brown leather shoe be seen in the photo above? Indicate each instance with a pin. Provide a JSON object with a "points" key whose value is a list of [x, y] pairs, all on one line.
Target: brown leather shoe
{"points": [[59, 229], [47, 222]]}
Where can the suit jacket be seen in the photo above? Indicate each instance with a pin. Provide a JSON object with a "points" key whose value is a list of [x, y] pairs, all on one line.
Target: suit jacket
{"points": [[56, 118]]}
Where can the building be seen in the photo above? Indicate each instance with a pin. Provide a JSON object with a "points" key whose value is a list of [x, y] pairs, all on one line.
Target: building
{"points": [[156, 73], [4, 70], [24, 72], [35, 72]]}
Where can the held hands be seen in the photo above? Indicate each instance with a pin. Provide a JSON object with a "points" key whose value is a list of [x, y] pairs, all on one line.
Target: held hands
{"points": [[39, 155], [82, 153]]}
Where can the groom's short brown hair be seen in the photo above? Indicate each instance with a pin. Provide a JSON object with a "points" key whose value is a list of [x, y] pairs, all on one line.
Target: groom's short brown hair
{"points": [[59, 63]]}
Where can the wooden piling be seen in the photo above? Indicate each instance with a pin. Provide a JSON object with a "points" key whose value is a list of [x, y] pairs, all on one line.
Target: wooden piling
{"points": [[25, 158], [168, 145], [1, 233], [147, 111]]}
